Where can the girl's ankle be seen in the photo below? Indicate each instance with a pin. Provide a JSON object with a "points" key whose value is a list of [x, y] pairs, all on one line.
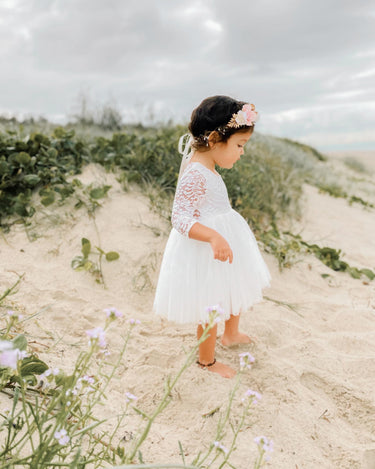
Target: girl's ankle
{"points": [[204, 363]]}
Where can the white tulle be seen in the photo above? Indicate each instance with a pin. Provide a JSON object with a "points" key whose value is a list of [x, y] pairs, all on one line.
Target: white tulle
{"points": [[190, 278]]}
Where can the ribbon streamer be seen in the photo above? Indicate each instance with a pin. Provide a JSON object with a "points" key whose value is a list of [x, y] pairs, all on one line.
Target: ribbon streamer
{"points": [[186, 156]]}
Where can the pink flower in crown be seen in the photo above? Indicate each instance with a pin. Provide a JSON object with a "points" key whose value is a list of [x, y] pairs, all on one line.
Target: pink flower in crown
{"points": [[241, 118], [246, 116], [250, 114]]}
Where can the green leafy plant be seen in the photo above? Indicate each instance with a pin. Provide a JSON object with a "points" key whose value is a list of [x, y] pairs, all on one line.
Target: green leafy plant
{"points": [[37, 162], [331, 258], [88, 196], [335, 190], [354, 199], [16, 365], [285, 248], [83, 262]]}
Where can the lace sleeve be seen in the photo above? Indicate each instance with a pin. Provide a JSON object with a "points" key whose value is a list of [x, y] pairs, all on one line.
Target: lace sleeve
{"points": [[190, 193]]}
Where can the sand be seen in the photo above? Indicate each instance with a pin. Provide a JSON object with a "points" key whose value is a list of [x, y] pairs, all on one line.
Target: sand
{"points": [[315, 362]]}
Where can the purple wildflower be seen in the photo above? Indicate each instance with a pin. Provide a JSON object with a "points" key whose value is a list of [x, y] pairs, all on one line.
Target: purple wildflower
{"points": [[130, 397], [246, 360], [134, 322], [11, 313], [254, 395], [88, 379], [265, 444], [113, 313], [215, 308], [62, 437], [99, 334], [215, 312], [10, 357], [221, 447], [50, 372]]}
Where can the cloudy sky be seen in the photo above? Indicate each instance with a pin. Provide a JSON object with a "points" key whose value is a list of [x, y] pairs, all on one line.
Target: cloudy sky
{"points": [[307, 65]]}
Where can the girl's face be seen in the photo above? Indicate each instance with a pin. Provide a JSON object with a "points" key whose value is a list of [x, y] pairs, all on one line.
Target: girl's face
{"points": [[226, 154]]}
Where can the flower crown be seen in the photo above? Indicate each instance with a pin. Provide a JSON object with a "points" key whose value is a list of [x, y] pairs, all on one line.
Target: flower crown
{"points": [[245, 116]]}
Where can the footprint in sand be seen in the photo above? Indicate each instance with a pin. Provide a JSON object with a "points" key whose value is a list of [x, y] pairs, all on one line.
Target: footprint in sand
{"points": [[156, 358], [357, 412], [360, 344]]}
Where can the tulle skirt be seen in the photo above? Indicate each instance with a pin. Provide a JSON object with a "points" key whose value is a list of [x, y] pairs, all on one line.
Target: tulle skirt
{"points": [[190, 279]]}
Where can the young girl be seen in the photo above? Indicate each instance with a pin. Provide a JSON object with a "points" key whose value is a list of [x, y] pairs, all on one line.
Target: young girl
{"points": [[211, 257]]}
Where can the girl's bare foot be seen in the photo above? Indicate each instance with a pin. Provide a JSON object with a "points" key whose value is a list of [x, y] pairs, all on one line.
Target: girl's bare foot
{"points": [[223, 370], [235, 339]]}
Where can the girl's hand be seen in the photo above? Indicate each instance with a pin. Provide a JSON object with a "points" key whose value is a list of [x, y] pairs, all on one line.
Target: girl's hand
{"points": [[221, 249]]}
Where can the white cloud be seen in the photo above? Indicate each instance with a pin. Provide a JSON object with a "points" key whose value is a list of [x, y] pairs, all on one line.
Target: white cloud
{"points": [[366, 73], [308, 66], [214, 26]]}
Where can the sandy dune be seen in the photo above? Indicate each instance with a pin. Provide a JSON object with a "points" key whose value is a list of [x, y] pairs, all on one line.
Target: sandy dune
{"points": [[315, 364]]}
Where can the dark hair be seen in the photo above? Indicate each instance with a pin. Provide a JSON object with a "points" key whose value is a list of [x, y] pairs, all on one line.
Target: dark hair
{"points": [[212, 115]]}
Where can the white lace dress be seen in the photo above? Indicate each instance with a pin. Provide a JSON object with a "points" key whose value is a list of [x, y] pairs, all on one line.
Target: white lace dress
{"points": [[190, 278]]}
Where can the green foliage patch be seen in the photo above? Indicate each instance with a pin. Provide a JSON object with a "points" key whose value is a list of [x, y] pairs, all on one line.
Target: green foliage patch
{"points": [[37, 162], [335, 190], [83, 262], [265, 186], [355, 165], [331, 258]]}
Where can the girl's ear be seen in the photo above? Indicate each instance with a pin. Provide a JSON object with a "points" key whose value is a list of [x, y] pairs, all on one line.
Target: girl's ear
{"points": [[213, 138]]}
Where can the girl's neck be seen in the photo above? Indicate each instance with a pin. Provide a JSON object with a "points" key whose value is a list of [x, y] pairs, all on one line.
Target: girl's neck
{"points": [[205, 159]]}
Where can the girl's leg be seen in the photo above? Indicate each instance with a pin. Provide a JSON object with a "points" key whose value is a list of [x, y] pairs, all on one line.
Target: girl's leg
{"points": [[232, 336], [207, 354], [207, 348]]}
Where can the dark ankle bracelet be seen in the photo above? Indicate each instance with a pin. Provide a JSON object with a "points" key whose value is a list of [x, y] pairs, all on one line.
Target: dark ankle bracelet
{"points": [[208, 364]]}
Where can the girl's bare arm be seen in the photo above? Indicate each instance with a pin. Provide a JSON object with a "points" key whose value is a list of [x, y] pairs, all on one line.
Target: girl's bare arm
{"points": [[219, 244]]}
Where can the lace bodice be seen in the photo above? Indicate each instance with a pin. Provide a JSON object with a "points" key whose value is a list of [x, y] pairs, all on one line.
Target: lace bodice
{"points": [[200, 194]]}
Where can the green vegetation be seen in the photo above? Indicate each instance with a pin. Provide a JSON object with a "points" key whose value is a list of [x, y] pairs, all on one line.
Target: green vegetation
{"points": [[95, 267], [331, 258], [305, 148], [37, 162], [354, 199], [265, 186], [335, 190], [355, 165]]}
